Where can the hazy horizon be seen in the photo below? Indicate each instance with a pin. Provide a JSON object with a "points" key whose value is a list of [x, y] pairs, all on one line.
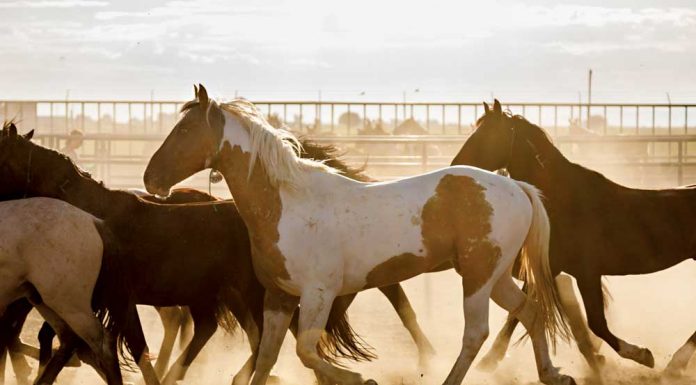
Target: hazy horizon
{"points": [[515, 50]]}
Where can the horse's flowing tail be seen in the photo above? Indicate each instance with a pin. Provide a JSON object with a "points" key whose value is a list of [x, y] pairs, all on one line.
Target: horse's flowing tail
{"points": [[536, 270], [340, 340]]}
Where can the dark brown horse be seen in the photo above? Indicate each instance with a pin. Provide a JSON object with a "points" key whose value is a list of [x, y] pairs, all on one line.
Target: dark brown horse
{"points": [[598, 227], [171, 258]]}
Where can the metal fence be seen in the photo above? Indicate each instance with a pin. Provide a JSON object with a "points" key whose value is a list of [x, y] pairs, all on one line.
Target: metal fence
{"points": [[646, 145], [351, 118]]}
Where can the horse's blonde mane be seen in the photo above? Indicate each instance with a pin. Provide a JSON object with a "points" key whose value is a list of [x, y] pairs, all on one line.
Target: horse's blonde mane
{"points": [[277, 149]]}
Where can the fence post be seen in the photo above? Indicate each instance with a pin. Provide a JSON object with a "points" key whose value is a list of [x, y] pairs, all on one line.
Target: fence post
{"points": [[680, 162]]}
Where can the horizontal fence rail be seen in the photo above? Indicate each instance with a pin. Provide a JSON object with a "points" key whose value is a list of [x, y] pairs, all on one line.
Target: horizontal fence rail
{"points": [[645, 160]]}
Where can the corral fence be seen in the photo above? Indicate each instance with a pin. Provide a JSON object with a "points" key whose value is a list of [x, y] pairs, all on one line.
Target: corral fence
{"points": [[640, 144]]}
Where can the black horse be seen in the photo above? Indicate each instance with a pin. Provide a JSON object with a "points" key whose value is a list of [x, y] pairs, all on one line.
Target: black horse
{"points": [[598, 227]]}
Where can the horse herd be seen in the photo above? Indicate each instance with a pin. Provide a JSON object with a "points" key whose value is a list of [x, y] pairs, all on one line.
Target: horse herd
{"points": [[305, 233]]}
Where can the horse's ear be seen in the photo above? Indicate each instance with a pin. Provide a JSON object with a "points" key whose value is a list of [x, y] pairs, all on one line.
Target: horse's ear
{"points": [[195, 91], [12, 130], [486, 109], [203, 97], [497, 108], [29, 135]]}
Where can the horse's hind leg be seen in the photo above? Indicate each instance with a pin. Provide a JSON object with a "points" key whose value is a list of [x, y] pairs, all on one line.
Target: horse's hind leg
{"points": [[171, 321], [56, 362], [11, 325], [577, 323], [508, 296], [397, 297], [475, 333], [681, 357], [81, 320], [204, 326], [593, 297]]}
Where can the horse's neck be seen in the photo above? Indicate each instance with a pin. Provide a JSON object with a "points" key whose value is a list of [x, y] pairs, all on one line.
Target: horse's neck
{"points": [[257, 200], [546, 169], [91, 196]]}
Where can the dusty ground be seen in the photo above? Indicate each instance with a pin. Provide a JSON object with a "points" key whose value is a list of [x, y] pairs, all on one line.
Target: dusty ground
{"points": [[656, 311]]}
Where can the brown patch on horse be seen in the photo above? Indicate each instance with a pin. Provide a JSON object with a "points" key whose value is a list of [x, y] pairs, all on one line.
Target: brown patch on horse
{"points": [[456, 222], [395, 269], [261, 215]]}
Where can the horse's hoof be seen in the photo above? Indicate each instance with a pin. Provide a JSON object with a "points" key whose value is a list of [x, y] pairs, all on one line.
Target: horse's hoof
{"points": [[645, 357], [488, 364], [558, 379], [370, 382], [562, 379]]}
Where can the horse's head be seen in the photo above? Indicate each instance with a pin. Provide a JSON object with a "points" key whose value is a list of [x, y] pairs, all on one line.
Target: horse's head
{"points": [[15, 153], [489, 147], [502, 140], [28, 169], [190, 147]]}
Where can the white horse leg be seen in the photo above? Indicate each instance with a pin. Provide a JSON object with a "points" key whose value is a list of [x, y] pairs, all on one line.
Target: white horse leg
{"points": [[475, 333], [315, 306], [277, 314], [508, 296]]}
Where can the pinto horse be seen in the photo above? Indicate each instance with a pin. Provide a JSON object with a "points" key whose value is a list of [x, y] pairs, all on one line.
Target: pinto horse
{"points": [[316, 234], [597, 226], [203, 269], [51, 254]]}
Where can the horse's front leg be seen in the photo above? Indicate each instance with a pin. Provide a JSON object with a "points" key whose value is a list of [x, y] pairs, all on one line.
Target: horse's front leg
{"points": [[397, 297], [591, 290], [315, 307], [277, 314]]}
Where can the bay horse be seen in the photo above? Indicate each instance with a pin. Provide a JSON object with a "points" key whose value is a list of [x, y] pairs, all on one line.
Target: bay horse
{"points": [[51, 254], [316, 234], [152, 272], [598, 227]]}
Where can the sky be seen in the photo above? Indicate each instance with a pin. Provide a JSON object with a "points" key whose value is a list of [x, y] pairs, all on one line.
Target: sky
{"points": [[359, 50]]}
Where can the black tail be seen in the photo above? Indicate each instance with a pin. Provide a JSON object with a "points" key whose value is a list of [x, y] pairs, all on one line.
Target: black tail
{"points": [[340, 340], [112, 299]]}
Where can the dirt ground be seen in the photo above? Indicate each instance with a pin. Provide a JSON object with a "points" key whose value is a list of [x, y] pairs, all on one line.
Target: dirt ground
{"points": [[655, 311]]}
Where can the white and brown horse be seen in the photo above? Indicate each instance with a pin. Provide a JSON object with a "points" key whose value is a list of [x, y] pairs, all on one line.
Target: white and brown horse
{"points": [[51, 253], [317, 235]]}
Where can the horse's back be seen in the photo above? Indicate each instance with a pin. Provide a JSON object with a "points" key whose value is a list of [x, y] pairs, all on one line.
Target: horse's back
{"points": [[49, 239]]}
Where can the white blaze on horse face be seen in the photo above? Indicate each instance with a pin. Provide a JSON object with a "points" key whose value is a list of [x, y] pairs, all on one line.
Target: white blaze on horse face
{"points": [[234, 133]]}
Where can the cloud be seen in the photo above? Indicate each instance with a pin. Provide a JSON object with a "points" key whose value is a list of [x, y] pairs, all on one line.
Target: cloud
{"points": [[53, 4]]}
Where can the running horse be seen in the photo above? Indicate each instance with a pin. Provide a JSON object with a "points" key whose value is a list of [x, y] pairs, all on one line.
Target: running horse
{"points": [[316, 234], [598, 227]]}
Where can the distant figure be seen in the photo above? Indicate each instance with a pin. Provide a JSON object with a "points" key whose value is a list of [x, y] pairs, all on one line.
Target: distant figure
{"points": [[74, 142]]}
